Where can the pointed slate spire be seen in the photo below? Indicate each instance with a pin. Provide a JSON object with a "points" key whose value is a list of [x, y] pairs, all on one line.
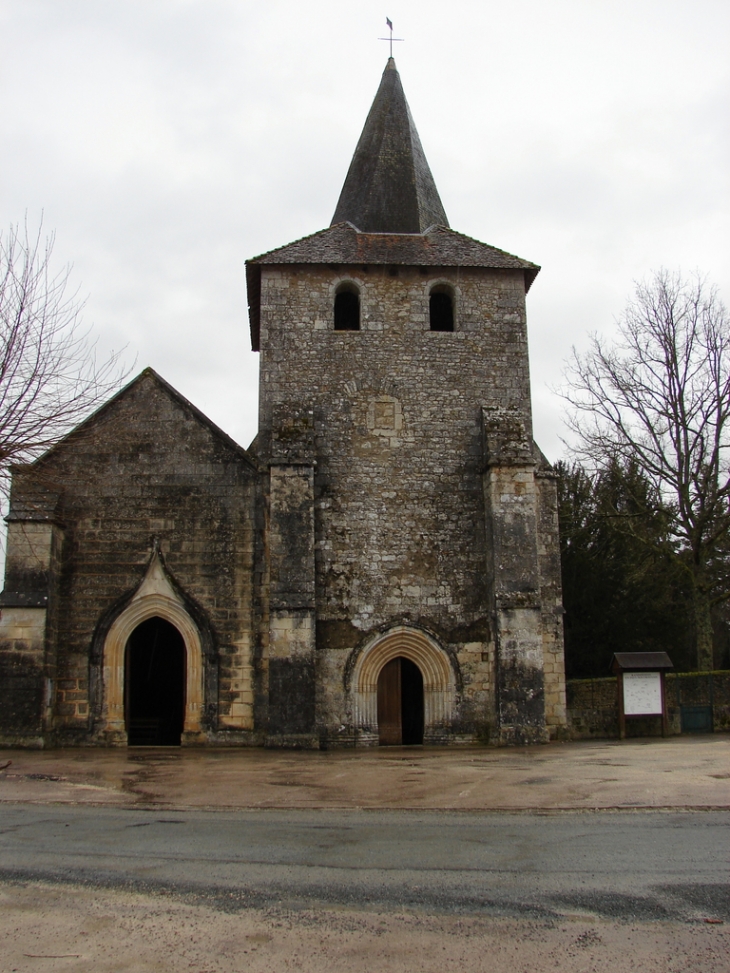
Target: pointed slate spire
{"points": [[389, 187]]}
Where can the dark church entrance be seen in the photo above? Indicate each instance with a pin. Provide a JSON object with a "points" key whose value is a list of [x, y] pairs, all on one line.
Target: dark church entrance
{"points": [[400, 703], [155, 685]]}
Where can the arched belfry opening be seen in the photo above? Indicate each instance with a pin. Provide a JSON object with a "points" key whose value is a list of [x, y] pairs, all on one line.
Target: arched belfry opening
{"points": [[441, 308], [154, 684], [400, 703], [347, 308]]}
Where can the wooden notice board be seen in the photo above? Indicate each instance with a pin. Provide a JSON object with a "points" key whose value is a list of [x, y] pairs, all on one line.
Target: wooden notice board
{"points": [[641, 688]]}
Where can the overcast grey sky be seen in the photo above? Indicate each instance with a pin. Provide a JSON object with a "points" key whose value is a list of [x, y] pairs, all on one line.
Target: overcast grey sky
{"points": [[166, 141]]}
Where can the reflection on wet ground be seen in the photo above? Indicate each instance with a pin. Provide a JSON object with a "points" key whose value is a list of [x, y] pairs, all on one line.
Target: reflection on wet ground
{"points": [[677, 772]]}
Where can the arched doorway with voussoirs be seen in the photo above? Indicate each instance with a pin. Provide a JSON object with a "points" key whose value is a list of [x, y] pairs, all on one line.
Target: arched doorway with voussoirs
{"points": [[402, 689], [154, 684]]}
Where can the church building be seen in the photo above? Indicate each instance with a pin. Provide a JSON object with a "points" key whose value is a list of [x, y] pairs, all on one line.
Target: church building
{"points": [[380, 566]]}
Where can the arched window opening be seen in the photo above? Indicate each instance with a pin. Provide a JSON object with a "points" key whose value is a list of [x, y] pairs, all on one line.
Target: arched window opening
{"points": [[441, 309], [347, 308], [155, 684]]}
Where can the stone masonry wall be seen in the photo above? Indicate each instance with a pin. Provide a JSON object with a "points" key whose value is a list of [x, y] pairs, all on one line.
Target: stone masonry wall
{"points": [[28, 622], [147, 467], [593, 705], [399, 508], [22, 676]]}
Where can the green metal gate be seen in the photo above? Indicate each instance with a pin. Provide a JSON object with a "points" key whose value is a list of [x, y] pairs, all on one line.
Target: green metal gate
{"points": [[695, 703]]}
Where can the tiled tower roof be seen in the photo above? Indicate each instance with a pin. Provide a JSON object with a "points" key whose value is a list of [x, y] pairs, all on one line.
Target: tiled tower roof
{"points": [[344, 244], [389, 187]]}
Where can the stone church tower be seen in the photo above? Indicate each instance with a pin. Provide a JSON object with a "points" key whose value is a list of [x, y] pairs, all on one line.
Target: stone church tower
{"points": [[381, 566]]}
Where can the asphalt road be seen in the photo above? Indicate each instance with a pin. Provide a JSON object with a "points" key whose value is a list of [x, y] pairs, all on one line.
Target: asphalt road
{"points": [[634, 866]]}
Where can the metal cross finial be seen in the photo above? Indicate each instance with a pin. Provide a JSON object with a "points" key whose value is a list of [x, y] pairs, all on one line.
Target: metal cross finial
{"points": [[391, 38]]}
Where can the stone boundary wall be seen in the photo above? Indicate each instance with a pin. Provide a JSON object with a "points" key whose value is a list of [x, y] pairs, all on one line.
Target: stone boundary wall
{"points": [[593, 705]]}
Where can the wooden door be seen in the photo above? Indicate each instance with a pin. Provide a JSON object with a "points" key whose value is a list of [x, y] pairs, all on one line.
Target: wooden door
{"points": [[389, 704]]}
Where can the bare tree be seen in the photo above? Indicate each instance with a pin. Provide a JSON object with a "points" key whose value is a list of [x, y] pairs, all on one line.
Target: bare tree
{"points": [[659, 399], [50, 378]]}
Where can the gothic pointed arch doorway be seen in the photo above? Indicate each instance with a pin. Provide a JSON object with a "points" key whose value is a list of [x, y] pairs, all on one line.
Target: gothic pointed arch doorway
{"points": [[129, 642], [154, 684]]}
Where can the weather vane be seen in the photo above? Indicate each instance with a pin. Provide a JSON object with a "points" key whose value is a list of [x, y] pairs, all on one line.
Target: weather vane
{"points": [[391, 38]]}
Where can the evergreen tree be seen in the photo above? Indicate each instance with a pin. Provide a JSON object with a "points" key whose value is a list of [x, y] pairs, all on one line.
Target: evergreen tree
{"points": [[623, 588]]}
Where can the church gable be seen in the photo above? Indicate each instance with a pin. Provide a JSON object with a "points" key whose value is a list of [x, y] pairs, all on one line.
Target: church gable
{"points": [[148, 415], [147, 472]]}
